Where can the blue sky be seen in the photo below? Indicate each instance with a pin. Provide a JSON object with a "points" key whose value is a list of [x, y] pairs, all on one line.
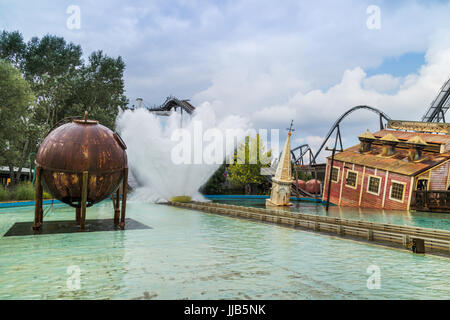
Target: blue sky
{"points": [[269, 61]]}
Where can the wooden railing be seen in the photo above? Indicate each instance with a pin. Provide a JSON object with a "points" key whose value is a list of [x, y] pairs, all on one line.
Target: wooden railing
{"points": [[438, 201]]}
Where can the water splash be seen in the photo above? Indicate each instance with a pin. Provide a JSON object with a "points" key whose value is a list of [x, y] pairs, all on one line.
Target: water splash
{"points": [[153, 172]]}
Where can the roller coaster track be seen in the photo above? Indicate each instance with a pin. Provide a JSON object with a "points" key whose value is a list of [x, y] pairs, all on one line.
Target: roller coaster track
{"points": [[173, 103], [305, 150], [439, 106], [435, 113]]}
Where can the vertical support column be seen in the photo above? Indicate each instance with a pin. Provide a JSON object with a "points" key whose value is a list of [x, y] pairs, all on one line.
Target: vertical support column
{"points": [[124, 197], [38, 200], [83, 200], [41, 209], [117, 207], [78, 215], [329, 179]]}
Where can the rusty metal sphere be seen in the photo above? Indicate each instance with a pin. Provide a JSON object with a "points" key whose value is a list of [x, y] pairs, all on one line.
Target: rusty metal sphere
{"points": [[301, 184], [313, 186], [78, 146]]}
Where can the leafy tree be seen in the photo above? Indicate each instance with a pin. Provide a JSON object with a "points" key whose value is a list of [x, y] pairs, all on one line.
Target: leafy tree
{"points": [[17, 128], [63, 86], [98, 89], [12, 48], [246, 168], [215, 184]]}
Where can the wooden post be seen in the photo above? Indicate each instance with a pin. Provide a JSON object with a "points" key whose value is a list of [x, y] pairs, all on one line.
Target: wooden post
{"points": [[83, 200], [78, 215], [315, 178], [116, 203], [329, 180], [124, 197], [41, 209], [38, 201]]}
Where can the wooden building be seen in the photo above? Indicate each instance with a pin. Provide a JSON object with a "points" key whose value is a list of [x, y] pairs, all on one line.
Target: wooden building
{"points": [[392, 169]]}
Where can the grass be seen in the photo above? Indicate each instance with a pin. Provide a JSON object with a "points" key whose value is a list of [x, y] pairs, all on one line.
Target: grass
{"points": [[181, 199], [23, 191]]}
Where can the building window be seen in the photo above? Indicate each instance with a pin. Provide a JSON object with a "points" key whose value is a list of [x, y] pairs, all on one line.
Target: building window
{"points": [[422, 184], [351, 179], [335, 174], [374, 185], [397, 191]]}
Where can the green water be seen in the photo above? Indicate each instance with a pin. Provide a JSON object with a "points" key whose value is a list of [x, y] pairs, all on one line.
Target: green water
{"points": [[189, 254], [418, 219]]}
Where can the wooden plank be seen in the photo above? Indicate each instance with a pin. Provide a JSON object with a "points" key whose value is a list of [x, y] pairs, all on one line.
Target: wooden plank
{"points": [[84, 191]]}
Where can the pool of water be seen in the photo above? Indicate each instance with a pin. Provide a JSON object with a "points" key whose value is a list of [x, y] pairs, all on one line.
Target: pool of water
{"points": [[417, 219], [189, 254]]}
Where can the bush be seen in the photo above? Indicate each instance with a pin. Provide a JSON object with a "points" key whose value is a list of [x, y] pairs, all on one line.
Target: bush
{"points": [[4, 194], [47, 195], [24, 191]]}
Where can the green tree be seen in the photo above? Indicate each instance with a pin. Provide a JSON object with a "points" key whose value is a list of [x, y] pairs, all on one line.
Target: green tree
{"points": [[63, 84], [248, 161], [215, 184], [98, 89], [12, 48], [16, 117]]}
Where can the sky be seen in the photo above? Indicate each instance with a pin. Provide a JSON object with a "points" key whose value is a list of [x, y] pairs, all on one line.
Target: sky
{"points": [[268, 61]]}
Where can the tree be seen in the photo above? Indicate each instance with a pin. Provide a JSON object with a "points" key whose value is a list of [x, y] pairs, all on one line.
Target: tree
{"points": [[246, 168], [215, 184], [98, 89], [63, 84], [16, 107], [12, 48]]}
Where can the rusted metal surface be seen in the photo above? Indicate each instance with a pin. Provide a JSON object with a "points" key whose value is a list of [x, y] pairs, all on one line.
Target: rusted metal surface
{"points": [[71, 149]]}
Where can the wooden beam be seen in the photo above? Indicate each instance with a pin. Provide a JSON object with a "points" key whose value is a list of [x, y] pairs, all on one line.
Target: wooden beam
{"points": [[84, 190], [124, 197], [37, 201], [116, 203], [78, 215]]}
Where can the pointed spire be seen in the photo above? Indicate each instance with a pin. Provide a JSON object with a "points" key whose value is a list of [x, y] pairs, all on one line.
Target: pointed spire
{"points": [[284, 170]]}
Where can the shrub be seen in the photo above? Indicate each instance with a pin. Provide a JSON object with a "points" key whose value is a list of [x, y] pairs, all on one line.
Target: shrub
{"points": [[24, 191], [4, 194], [47, 195]]}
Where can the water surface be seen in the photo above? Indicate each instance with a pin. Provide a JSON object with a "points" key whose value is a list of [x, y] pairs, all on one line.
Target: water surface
{"points": [[194, 255]]}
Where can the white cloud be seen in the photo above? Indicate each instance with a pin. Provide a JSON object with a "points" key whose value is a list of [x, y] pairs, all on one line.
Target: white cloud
{"points": [[266, 60], [383, 83]]}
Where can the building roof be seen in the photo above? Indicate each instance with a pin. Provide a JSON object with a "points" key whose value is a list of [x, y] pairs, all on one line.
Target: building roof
{"points": [[5, 169], [417, 140], [366, 135], [390, 137], [397, 163], [406, 135]]}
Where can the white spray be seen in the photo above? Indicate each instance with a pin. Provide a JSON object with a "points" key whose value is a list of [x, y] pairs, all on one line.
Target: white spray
{"points": [[148, 138]]}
